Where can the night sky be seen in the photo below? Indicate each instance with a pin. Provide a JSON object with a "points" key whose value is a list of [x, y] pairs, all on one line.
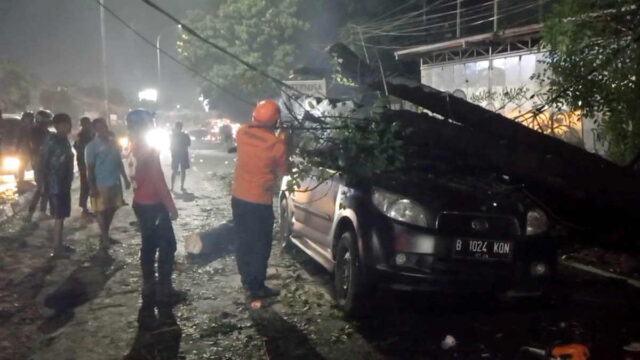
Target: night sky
{"points": [[59, 40]]}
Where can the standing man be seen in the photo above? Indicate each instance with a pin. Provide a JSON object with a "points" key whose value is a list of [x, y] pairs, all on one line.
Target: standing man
{"points": [[24, 150], [85, 136], [261, 161], [38, 135], [55, 167], [155, 209], [226, 133], [180, 142], [104, 170]]}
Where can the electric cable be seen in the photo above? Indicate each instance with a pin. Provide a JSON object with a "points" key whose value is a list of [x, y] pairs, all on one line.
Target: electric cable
{"points": [[171, 57], [398, 19], [223, 50], [410, 32], [218, 47]]}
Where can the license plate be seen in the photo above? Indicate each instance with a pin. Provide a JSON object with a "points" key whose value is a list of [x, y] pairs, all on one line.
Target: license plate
{"points": [[482, 249]]}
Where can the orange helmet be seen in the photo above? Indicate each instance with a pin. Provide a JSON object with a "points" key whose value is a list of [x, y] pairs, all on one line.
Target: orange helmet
{"points": [[266, 113]]}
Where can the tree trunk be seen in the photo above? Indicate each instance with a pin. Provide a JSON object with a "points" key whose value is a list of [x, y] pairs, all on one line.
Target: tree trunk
{"points": [[503, 143]]}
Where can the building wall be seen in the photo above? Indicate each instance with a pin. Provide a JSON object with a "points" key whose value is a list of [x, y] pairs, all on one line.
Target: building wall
{"points": [[494, 74], [475, 78]]}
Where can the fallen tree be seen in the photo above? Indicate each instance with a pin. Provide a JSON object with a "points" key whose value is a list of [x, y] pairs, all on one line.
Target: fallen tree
{"points": [[559, 172]]}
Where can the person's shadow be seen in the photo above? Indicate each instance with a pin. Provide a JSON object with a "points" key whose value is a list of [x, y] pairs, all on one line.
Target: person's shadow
{"points": [[159, 334], [81, 286], [283, 340]]}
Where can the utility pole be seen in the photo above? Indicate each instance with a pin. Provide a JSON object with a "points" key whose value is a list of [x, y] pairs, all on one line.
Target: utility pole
{"points": [[541, 11], [104, 64], [159, 80], [495, 15], [159, 84], [459, 5], [424, 17]]}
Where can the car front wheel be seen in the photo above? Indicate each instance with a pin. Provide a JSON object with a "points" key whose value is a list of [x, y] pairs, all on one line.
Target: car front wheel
{"points": [[351, 287]]}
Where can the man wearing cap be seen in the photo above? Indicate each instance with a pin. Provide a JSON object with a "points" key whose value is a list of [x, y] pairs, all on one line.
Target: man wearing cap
{"points": [[261, 162]]}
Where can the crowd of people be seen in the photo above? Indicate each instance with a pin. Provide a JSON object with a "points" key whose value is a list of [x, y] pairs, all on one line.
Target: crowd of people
{"points": [[261, 161]]}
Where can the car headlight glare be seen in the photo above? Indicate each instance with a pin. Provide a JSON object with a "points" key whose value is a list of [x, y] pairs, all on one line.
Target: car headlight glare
{"points": [[537, 222], [399, 208], [11, 163]]}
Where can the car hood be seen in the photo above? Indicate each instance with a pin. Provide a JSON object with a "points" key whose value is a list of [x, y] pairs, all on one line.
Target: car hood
{"points": [[471, 192]]}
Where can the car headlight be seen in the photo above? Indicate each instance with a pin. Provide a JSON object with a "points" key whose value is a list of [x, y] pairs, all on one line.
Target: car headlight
{"points": [[537, 222], [11, 163], [399, 208]]}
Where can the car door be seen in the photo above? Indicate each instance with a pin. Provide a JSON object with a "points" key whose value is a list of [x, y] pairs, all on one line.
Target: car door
{"points": [[314, 208]]}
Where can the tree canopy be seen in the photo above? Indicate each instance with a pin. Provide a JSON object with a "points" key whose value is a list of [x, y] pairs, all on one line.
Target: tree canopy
{"points": [[594, 65], [261, 32], [15, 83]]}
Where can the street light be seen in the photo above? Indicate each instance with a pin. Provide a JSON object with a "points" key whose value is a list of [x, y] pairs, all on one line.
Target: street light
{"points": [[148, 95], [159, 85], [104, 62]]}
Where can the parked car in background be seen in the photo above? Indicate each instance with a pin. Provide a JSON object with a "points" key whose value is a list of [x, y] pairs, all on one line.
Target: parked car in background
{"points": [[9, 156], [199, 134], [420, 230]]}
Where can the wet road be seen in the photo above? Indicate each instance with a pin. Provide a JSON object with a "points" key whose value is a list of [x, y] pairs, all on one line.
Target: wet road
{"points": [[89, 307], [9, 187]]}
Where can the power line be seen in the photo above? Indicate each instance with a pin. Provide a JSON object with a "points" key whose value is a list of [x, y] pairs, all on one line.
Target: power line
{"points": [[173, 58], [223, 50], [411, 31], [407, 18]]}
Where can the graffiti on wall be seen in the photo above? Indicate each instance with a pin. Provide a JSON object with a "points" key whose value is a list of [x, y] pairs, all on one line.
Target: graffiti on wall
{"points": [[515, 103]]}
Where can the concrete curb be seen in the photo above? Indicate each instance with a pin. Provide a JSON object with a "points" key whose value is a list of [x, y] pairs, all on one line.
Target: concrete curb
{"points": [[596, 271], [7, 211]]}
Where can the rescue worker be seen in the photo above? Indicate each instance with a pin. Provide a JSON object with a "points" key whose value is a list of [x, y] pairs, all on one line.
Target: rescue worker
{"points": [[155, 209], [261, 161]]}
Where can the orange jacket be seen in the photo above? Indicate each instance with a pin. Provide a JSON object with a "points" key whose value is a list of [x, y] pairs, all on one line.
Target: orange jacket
{"points": [[262, 159]]}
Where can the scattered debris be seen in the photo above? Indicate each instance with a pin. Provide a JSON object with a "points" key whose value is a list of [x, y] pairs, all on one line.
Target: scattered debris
{"points": [[448, 342]]}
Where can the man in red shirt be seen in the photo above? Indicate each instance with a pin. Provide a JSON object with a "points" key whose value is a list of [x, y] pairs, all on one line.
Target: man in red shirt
{"points": [[261, 162], [154, 208]]}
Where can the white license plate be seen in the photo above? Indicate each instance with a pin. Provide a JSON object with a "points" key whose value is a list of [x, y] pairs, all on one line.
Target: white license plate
{"points": [[482, 249]]}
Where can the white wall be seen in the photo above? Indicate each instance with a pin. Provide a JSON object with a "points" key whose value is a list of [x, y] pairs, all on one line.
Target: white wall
{"points": [[497, 74], [476, 75]]}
